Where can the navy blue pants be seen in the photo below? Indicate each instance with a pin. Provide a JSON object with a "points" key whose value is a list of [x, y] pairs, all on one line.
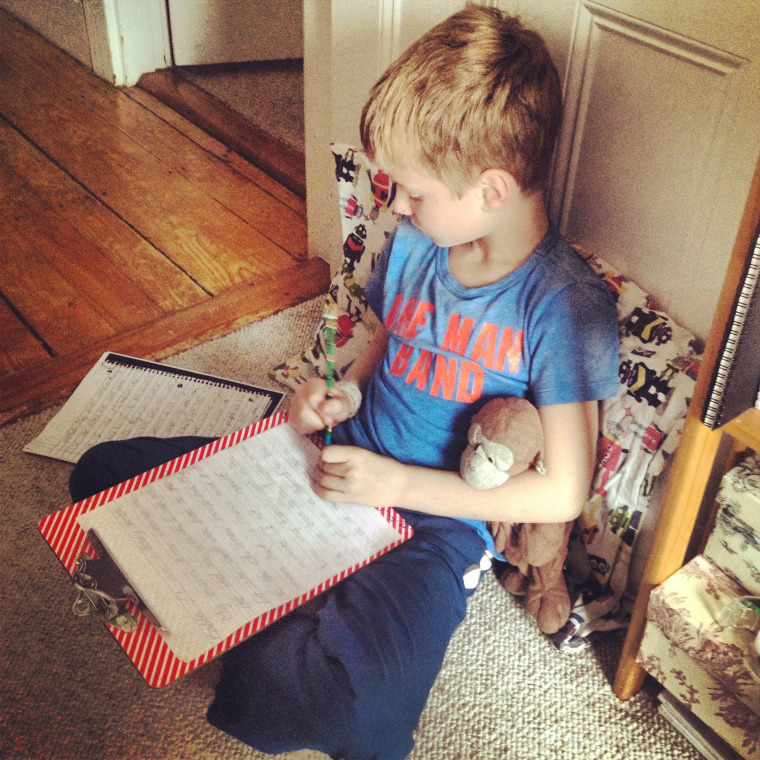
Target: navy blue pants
{"points": [[348, 673]]}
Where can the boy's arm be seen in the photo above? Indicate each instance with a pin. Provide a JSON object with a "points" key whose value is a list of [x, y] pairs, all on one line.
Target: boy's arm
{"points": [[311, 409], [365, 364], [570, 430]]}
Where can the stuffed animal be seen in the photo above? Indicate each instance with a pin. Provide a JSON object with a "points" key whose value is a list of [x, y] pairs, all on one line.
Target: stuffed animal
{"points": [[506, 438]]}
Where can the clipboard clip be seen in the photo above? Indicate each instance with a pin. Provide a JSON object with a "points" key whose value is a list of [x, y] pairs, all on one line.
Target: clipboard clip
{"points": [[96, 602], [105, 577], [103, 591]]}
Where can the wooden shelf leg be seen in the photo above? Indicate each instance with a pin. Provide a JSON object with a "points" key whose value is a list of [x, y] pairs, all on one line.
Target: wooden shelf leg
{"points": [[688, 481]]}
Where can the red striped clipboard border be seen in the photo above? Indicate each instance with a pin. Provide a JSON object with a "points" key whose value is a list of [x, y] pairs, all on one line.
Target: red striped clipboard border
{"points": [[145, 647]]}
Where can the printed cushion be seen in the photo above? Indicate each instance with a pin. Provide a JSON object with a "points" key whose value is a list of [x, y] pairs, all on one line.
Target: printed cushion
{"points": [[640, 430], [626, 294], [365, 195]]}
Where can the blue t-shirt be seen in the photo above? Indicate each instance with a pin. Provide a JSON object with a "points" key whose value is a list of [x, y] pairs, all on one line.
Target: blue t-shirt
{"points": [[546, 332]]}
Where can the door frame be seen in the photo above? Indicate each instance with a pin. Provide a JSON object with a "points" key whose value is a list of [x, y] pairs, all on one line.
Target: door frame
{"points": [[127, 38]]}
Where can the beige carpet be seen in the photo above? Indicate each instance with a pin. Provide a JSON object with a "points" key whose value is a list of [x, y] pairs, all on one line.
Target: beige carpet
{"points": [[267, 93], [68, 692]]}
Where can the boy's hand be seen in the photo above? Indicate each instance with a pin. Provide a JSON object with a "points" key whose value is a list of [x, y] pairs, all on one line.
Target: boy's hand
{"points": [[312, 410], [349, 473]]}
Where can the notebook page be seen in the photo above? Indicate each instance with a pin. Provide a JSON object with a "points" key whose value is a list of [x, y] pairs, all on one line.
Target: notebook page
{"points": [[123, 397], [215, 545]]}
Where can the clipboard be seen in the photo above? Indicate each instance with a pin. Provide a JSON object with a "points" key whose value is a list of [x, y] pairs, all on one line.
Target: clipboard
{"points": [[146, 646]]}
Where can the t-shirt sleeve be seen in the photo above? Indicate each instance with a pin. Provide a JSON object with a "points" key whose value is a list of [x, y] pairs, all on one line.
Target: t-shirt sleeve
{"points": [[576, 355]]}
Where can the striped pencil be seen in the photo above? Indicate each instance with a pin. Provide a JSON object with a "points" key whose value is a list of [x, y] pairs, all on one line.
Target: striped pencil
{"points": [[331, 329]]}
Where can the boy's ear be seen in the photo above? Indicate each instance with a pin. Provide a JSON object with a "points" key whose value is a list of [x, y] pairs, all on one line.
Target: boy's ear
{"points": [[496, 186]]}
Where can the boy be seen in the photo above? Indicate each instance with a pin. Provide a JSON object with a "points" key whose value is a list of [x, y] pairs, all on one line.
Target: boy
{"points": [[477, 296]]}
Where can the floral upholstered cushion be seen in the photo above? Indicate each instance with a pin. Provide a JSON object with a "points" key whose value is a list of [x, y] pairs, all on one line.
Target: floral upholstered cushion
{"points": [[688, 609], [690, 649], [705, 698], [734, 543]]}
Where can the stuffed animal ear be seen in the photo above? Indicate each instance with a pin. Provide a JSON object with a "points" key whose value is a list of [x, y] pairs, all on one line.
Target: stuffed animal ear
{"points": [[475, 434]]}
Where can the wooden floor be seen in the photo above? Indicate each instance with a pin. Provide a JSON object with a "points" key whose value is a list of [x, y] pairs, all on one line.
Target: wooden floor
{"points": [[124, 227]]}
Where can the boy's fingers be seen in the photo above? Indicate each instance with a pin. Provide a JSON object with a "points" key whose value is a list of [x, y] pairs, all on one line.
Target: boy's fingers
{"points": [[333, 410], [305, 417], [307, 423], [335, 454]]}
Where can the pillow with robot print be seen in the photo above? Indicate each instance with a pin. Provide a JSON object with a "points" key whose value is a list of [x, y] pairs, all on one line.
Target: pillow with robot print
{"points": [[365, 195]]}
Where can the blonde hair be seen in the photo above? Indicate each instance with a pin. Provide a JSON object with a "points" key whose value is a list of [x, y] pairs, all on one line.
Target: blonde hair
{"points": [[478, 91]]}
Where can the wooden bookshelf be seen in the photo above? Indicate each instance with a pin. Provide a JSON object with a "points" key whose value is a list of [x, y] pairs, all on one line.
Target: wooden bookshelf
{"points": [[695, 458]]}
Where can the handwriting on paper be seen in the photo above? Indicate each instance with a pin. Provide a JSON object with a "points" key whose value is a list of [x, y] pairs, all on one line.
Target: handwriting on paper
{"points": [[216, 545]]}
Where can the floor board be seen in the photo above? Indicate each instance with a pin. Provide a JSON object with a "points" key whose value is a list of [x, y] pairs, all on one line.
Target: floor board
{"points": [[31, 179], [222, 150], [19, 348], [273, 156], [124, 226]]}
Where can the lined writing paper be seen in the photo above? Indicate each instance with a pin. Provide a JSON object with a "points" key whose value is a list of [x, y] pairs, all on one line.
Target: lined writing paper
{"points": [[234, 536], [123, 397]]}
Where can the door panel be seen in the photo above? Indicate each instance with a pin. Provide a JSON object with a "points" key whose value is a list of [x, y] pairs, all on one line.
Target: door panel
{"points": [[660, 138], [226, 31]]}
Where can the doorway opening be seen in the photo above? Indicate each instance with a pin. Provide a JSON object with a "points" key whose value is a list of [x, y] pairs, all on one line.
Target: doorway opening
{"points": [[238, 74], [267, 93], [222, 102]]}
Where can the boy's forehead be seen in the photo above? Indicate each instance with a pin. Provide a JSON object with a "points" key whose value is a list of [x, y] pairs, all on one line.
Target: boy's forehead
{"points": [[411, 174], [418, 182], [390, 164], [406, 175]]}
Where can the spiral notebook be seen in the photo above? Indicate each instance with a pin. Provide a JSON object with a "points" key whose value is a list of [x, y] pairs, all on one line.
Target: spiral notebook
{"points": [[123, 397], [221, 543], [735, 384]]}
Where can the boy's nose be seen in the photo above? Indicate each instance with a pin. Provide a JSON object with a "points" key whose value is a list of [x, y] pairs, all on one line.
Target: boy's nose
{"points": [[401, 203]]}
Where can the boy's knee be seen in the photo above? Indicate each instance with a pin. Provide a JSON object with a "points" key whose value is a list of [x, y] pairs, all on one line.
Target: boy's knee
{"points": [[270, 702], [111, 462], [92, 473], [285, 693]]}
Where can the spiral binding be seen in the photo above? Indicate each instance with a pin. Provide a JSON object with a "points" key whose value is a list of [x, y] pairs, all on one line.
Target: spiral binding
{"points": [[727, 355], [168, 370]]}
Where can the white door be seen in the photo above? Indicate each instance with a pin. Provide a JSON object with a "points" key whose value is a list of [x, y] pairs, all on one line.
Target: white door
{"points": [[222, 31]]}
